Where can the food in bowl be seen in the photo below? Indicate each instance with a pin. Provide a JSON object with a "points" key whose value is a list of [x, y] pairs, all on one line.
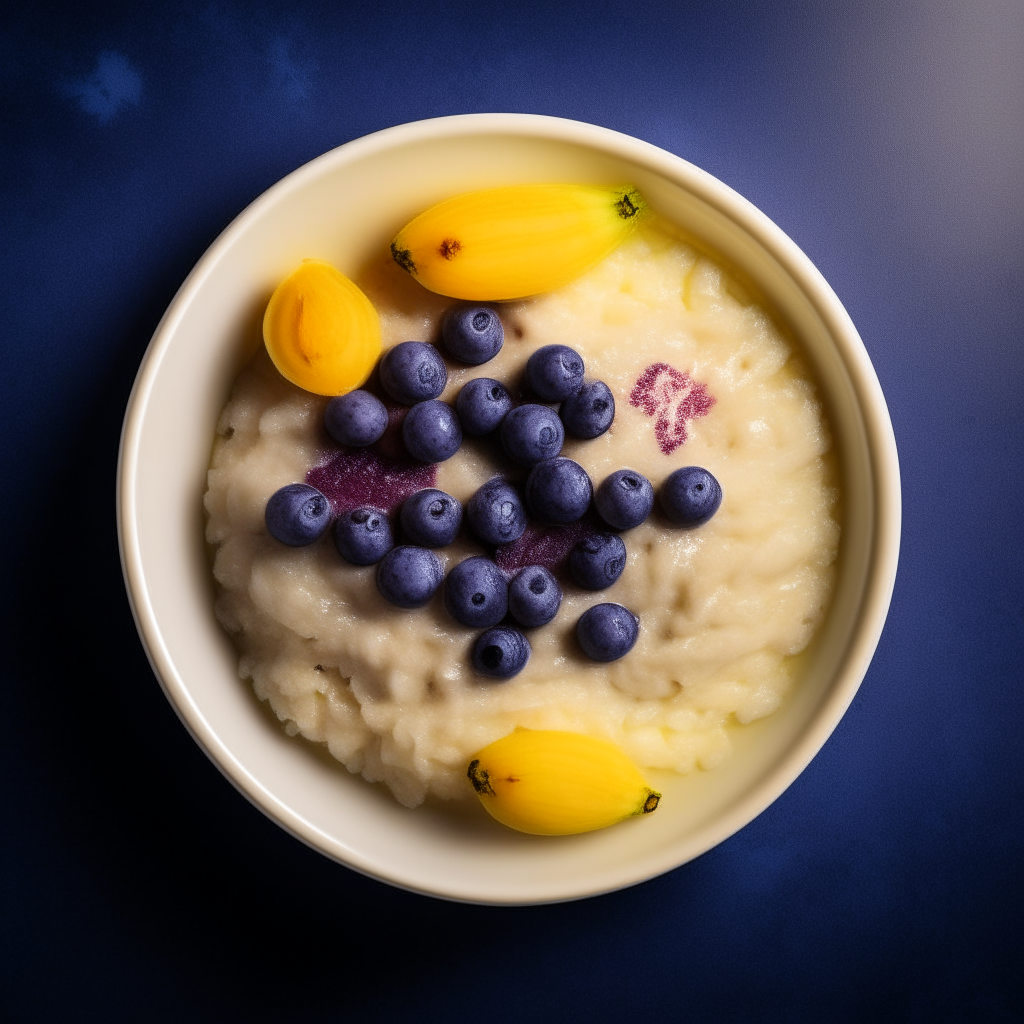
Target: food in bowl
{"points": [[699, 376]]}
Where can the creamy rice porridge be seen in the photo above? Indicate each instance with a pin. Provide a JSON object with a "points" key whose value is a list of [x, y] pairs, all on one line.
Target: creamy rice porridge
{"points": [[699, 378]]}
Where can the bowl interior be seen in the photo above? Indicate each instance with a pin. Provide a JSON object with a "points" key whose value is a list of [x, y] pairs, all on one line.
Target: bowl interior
{"points": [[344, 207]]}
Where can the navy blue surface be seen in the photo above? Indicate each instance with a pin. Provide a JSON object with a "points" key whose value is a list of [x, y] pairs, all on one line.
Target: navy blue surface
{"points": [[888, 140]]}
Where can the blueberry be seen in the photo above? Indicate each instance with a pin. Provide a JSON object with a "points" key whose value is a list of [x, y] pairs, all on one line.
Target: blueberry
{"points": [[363, 536], [558, 491], [476, 593], [356, 419], [624, 499], [589, 413], [297, 514], [408, 576], [554, 372], [606, 632], [690, 496], [597, 562], [531, 434], [431, 518], [482, 405], [501, 653], [472, 334], [534, 596], [413, 372], [431, 431], [496, 514]]}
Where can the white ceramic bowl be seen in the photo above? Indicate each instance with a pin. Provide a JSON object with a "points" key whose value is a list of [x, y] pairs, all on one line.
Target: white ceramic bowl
{"points": [[343, 207]]}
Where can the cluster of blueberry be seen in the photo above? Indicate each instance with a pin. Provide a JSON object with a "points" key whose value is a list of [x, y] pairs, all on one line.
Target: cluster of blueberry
{"points": [[557, 491]]}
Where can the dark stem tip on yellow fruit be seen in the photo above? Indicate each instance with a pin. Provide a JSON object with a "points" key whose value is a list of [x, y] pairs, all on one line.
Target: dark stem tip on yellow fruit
{"points": [[403, 257], [480, 778], [630, 204], [651, 803]]}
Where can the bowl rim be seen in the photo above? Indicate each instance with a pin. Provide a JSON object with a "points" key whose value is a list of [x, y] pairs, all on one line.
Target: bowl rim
{"points": [[883, 458]]}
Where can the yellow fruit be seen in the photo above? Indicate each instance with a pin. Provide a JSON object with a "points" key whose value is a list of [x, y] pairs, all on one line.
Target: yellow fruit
{"points": [[552, 783], [321, 331], [507, 243]]}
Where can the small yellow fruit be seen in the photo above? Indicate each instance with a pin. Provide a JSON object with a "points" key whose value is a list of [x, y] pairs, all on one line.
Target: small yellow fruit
{"points": [[321, 331], [551, 783], [507, 243]]}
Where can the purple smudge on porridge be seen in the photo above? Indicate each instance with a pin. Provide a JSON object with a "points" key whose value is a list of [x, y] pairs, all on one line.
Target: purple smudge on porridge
{"points": [[673, 397], [381, 476], [352, 477], [544, 545]]}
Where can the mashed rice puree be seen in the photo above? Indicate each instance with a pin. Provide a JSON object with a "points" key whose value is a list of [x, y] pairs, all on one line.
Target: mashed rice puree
{"points": [[700, 377]]}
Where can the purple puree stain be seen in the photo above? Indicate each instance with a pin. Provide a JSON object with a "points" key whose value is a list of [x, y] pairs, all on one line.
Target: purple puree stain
{"points": [[545, 545], [673, 397], [381, 476]]}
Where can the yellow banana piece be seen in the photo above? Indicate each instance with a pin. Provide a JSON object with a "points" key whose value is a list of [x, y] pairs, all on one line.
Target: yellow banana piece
{"points": [[507, 243], [321, 331], [551, 783]]}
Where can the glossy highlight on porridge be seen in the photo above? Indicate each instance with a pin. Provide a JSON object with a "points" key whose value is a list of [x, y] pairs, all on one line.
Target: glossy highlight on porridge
{"points": [[699, 377]]}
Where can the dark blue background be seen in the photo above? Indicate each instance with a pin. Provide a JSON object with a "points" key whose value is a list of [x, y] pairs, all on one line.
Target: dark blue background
{"points": [[888, 140]]}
